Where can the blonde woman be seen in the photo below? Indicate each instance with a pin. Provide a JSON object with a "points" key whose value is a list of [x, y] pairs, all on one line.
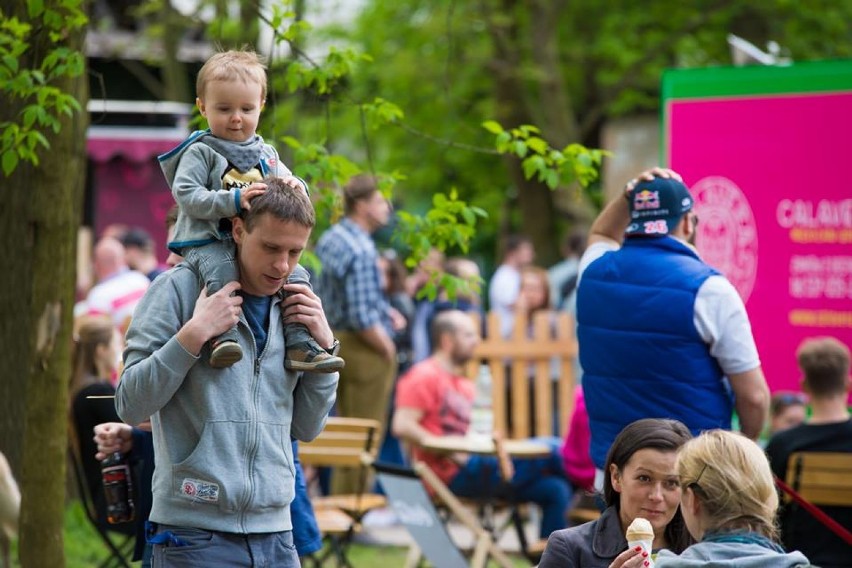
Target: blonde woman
{"points": [[728, 502]]}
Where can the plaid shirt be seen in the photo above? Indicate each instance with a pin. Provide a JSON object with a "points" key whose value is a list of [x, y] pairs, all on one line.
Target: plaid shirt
{"points": [[349, 280]]}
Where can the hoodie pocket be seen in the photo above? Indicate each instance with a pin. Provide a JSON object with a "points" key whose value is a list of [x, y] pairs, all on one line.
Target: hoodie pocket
{"points": [[273, 473], [215, 472]]}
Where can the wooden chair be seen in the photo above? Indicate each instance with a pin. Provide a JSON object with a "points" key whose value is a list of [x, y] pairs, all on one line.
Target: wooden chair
{"points": [[822, 478], [336, 527], [532, 550], [344, 442]]}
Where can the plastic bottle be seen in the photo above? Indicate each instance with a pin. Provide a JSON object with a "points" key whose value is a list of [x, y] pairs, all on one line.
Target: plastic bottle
{"points": [[482, 414], [118, 488]]}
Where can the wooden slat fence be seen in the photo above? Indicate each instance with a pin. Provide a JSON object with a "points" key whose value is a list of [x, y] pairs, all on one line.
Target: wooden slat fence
{"points": [[528, 356]]}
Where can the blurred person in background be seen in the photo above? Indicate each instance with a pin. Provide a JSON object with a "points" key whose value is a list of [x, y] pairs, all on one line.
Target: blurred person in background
{"points": [[824, 362], [505, 284], [786, 409]]}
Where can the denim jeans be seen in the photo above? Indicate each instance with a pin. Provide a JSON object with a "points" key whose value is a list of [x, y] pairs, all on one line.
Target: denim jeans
{"points": [[190, 548], [540, 481]]}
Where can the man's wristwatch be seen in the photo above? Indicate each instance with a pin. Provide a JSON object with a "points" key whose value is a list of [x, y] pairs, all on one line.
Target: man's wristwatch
{"points": [[334, 349]]}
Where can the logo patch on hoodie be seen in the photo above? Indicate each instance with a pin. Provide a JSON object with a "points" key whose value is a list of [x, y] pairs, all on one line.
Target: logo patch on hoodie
{"points": [[199, 490]]}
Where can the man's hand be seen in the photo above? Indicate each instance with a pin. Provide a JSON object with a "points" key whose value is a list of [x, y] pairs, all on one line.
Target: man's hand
{"points": [[303, 306], [249, 193], [213, 316], [113, 437], [649, 175]]}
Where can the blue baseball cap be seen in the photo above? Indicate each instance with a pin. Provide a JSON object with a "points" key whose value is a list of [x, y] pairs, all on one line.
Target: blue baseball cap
{"points": [[657, 206]]}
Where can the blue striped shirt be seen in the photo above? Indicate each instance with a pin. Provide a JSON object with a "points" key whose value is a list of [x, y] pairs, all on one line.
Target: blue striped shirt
{"points": [[348, 283]]}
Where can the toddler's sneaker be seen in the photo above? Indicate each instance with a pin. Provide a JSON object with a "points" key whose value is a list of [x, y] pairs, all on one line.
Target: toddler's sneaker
{"points": [[308, 356]]}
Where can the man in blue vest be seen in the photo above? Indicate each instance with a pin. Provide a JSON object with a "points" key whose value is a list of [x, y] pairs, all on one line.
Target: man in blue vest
{"points": [[662, 334]]}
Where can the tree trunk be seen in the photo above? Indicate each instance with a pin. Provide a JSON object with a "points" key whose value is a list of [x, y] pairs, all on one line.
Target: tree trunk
{"points": [[38, 225], [175, 77], [535, 199]]}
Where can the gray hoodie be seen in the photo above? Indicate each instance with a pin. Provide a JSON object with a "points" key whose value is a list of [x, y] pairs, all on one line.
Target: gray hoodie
{"points": [[221, 436], [730, 555], [194, 172]]}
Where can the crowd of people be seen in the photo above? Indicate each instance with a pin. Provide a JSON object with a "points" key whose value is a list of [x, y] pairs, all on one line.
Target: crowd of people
{"points": [[233, 354]]}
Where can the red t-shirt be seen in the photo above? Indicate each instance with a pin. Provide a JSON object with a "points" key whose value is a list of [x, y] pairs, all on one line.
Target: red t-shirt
{"points": [[445, 400]]}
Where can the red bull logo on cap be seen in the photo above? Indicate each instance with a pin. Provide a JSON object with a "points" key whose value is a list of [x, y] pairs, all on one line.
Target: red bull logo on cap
{"points": [[646, 199]]}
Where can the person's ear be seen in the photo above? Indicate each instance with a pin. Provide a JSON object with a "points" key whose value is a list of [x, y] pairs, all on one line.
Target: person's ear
{"points": [[693, 504], [238, 229], [201, 107], [615, 477]]}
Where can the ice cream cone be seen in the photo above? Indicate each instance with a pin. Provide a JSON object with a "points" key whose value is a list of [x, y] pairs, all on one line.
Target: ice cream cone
{"points": [[641, 533]]}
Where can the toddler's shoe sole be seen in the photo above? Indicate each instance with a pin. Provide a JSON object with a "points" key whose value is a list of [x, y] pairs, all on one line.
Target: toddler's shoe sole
{"points": [[225, 354]]}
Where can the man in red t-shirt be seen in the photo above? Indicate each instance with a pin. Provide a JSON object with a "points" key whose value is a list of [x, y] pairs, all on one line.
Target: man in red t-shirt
{"points": [[434, 398]]}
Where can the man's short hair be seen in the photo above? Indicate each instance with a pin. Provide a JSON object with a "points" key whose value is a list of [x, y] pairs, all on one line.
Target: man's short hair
{"points": [[282, 202], [358, 188], [444, 322], [137, 237], [825, 364], [233, 65], [514, 242]]}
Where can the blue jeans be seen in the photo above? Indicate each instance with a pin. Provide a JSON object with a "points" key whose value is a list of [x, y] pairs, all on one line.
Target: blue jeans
{"points": [[190, 548], [540, 481]]}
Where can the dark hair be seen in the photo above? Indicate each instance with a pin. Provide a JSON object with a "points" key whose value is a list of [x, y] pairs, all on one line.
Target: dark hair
{"points": [[575, 242], [514, 242], [282, 202], [137, 237], [783, 400], [358, 188], [395, 271], [825, 363], [661, 434]]}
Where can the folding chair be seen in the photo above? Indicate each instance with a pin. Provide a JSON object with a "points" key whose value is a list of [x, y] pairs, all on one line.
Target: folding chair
{"points": [[344, 442], [406, 490], [532, 550], [822, 478], [120, 550]]}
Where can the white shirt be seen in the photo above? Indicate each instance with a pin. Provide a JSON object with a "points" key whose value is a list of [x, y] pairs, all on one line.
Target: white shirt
{"points": [[720, 317], [117, 296], [503, 291]]}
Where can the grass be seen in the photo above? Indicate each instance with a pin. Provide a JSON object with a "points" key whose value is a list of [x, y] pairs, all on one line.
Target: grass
{"points": [[84, 548]]}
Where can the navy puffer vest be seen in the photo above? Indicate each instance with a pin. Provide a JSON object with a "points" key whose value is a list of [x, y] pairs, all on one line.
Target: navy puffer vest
{"points": [[641, 354]]}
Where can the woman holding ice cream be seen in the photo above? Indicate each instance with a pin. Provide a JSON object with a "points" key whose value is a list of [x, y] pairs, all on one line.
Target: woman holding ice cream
{"points": [[728, 503], [641, 482]]}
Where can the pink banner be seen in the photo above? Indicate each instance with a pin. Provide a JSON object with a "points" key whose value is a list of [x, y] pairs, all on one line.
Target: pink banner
{"points": [[771, 176]]}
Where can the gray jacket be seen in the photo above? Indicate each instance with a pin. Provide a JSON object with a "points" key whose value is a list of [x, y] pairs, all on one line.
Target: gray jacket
{"points": [[590, 545], [221, 436], [730, 555], [194, 173]]}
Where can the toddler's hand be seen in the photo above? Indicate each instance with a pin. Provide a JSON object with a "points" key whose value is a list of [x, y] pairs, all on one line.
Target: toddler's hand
{"points": [[294, 182], [249, 193]]}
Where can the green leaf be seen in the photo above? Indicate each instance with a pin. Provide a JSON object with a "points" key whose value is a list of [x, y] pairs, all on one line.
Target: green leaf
{"points": [[35, 8], [492, 126], [10, 161]]}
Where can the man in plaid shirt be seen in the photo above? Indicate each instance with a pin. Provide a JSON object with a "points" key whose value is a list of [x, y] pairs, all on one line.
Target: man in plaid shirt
{"points": [[357, 309]]}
